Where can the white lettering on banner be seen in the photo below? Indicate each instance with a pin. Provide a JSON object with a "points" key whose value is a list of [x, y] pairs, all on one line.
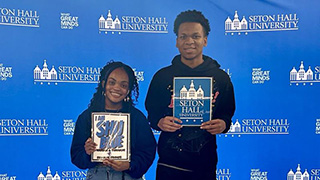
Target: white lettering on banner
{"points": [[132, 24], [317, 126], [255, 23], [256, 174], [5, 72], [71, 74], [259, 126], [281, 21], [13, 127], [144, 27], [223, 174], [315, 172], [19, 17], [139, 74], [68, 126], [6, 177], [65, 175], [73, 174], [259, 76], [78, 77], [68, 21]]}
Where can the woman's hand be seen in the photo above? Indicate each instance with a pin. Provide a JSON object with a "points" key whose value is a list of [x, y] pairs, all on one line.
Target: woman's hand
{"points": [[117, 165], [90, 146]]}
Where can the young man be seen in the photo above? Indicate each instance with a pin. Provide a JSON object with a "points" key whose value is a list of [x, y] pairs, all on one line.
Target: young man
{"points": [[189, 153]]}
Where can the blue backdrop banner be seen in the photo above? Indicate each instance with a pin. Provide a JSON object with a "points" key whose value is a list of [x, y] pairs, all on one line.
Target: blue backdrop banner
{"points": [[51, 53]]}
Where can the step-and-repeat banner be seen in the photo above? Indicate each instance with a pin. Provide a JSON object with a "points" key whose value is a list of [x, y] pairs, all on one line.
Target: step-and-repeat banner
{"points": [[51, 53]]}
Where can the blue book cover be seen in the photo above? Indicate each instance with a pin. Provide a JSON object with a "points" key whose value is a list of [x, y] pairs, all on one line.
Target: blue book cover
{"points": [[192, 100]]}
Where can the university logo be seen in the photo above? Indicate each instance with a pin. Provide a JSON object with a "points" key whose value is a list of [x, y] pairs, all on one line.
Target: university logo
{"points": [[257, 23], [257, 174], [317, 126], [298, 175], [132, 24], [68, 126], [23, 127], [65, 175], [192, 93], [5, 72], [223, 174], [70, 74], [44, 73], [49, 176], [302, 76], [19, 17], [259, 126], [68, 21], [259, 76]]}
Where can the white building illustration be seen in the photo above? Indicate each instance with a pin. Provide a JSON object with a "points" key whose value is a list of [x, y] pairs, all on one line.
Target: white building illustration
{"points": [[301, 75], [192, 93], [49, 176], [298, 175], [44, 73], [235, 128], [109, 23], [236, 24]]}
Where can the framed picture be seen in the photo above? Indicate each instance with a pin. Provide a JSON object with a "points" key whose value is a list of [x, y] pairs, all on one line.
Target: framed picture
{"points": [[111, 133]]}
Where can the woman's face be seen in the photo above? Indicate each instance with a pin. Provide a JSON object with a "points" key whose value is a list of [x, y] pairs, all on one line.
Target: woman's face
{"points": [[117, 88]]}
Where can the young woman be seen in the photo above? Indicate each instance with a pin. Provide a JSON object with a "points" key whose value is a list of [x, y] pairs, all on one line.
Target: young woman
{"points": [[116, 92]]}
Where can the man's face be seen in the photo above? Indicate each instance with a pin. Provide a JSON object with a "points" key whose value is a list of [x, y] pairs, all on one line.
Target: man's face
{"points": [[191, 40]]}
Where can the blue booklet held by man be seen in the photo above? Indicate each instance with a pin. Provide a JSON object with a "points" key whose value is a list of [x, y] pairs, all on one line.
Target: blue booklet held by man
{"points": [[192, 100]]}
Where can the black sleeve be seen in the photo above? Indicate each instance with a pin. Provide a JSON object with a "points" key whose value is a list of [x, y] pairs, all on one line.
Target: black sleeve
{"points": [[143, 148], [82, 132], [225, 102], [158, 99]]}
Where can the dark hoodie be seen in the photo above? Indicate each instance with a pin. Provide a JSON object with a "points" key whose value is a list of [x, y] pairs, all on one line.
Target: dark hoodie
{"points": [[142, 142], [190, 147]]}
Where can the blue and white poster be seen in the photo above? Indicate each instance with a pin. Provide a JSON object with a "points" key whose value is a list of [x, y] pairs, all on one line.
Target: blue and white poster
{"points": [[111, 133], [192, 100]]}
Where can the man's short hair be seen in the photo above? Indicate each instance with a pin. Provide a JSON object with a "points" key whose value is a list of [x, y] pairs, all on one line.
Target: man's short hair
{"points": [[192, 16]]}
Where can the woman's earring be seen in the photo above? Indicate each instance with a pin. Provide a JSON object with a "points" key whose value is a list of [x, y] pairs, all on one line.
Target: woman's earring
{"points": [[126, 99]]}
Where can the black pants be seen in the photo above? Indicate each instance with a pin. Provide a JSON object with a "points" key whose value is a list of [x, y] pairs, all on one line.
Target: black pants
{"points": [[166, 173]]}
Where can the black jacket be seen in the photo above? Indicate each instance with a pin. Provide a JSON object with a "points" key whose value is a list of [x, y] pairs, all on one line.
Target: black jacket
{"points": [[143, 144], [190, 147]]}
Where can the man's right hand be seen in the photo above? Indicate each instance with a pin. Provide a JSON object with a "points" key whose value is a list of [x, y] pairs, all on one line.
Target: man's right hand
{"points": [[169, 124]]}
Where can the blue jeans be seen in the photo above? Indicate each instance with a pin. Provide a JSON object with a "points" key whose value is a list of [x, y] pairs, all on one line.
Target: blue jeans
{"points": [[107, 173]]}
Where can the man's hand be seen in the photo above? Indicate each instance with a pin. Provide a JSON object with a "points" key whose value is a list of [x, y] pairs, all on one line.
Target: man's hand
{"points": [[214, 126], [169, 124]]}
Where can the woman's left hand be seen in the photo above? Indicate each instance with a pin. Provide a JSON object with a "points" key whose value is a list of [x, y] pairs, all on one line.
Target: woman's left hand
{"points": [[117, 165]]}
